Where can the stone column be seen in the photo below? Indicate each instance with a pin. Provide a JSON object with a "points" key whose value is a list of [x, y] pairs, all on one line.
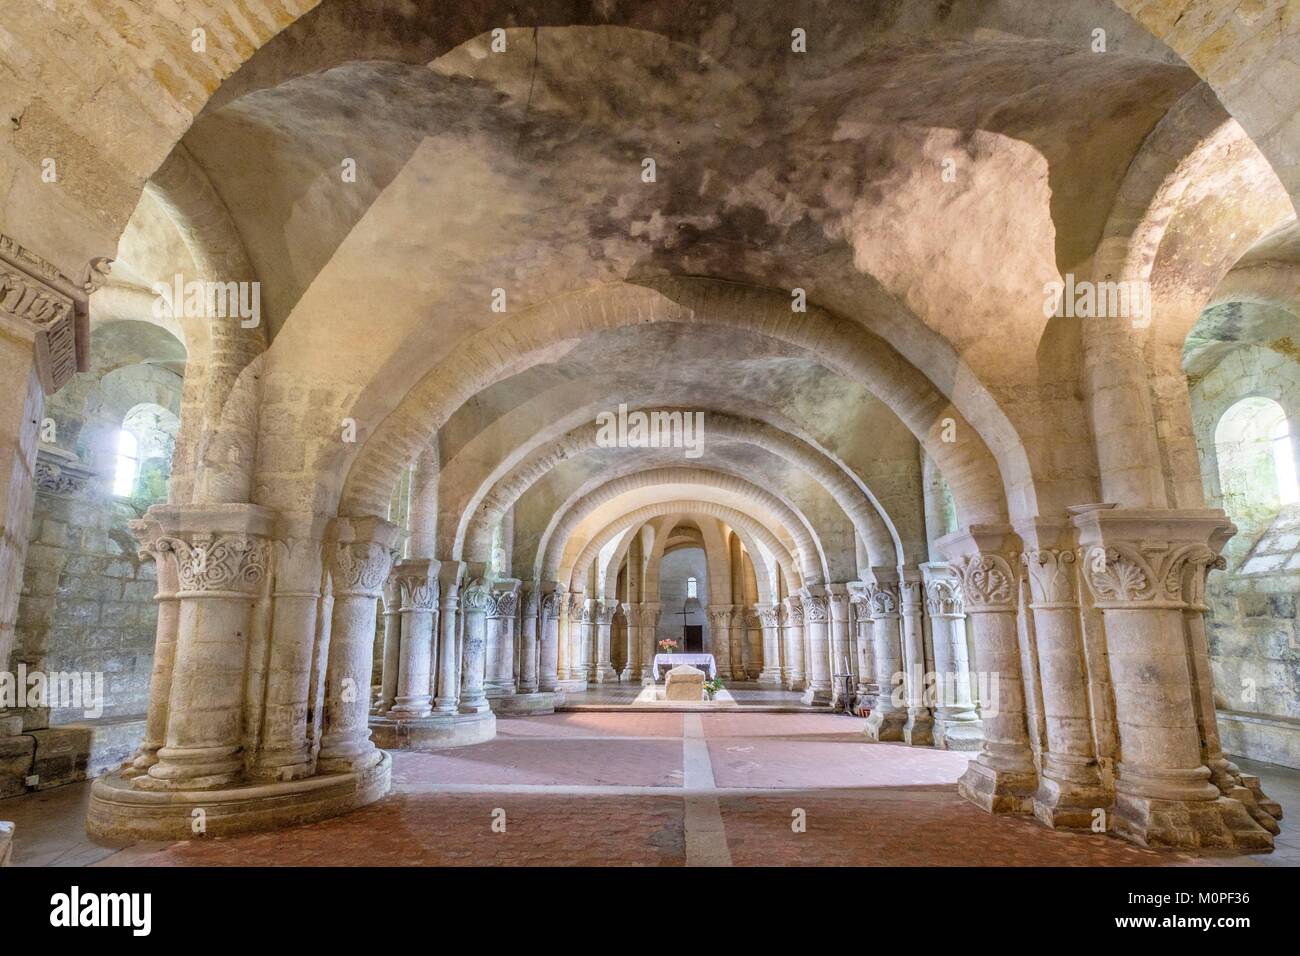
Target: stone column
{"points": [[841, 649], [956, 725], [587, 639], [577, 656], [563, 646], [284, 751], [392, 659], [602, 618], [223, 553], [155, 545], [1134, 563], [1003, 778], [720, 631], [529, 669], [502, 606], [649, 628], [739, 657], [816, 616], [473, 689], [446, 701], [890, 713], [770, 619], [861, 608], [919, 729], [548, 665], [361, 561], [795, 654], [1070, 785], [632, 669], [417, 595]]}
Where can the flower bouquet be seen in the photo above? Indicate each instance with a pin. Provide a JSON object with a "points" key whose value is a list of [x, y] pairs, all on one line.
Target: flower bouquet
{"points": [[667, 646], [712, 686]]}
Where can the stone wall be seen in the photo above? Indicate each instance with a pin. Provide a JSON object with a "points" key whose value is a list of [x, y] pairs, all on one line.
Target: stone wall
{"points": [[1252, 628]]}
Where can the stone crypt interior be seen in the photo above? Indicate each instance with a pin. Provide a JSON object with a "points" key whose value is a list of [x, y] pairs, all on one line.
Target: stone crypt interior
{"points": [[984, 582]]}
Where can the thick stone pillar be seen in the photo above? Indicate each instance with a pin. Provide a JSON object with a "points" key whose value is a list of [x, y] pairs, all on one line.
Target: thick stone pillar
{"points": [[602, 618], [956, 724], [720, 632], [890, 713], [361, 561], [861, 609], [552, 616], [392, 657], [223, 553], [739, 656], [650, 612], [417, 597], [816, 616], [841, 647], [502, 607], [473, 682], [769, 617], [919, 729], [632, 669], [529, 663], [447, 695], [1003, 778], [284, 750], [1070, 785], [1135, 561], [795, 679], [155, 545]]}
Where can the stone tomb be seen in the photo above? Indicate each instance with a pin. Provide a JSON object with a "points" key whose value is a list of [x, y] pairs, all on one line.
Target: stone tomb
{"points": [[685, 683]]}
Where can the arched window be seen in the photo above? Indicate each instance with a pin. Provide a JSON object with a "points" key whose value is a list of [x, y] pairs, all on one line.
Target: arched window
{"points": [[128, 464], [692, 588], [1257, 471]]}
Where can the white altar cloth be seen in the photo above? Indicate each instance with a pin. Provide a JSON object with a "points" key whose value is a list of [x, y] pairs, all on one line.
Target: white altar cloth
{"points": [[703, 661]]}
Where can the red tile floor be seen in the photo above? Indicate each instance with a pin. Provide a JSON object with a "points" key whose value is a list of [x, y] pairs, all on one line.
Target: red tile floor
{"points": [[653, 789]]}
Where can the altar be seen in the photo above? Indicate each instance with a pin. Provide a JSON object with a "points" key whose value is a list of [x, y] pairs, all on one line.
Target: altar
{"points": [[705, 662]]}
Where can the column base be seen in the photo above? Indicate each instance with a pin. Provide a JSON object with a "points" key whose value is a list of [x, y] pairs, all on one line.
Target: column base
{"points": [[998, 791], [575, 685], [885, 726], [796, 682], [503, 689], [918, 731], [770, 677], [475, 705], [1071, 804], [1222, 823], [522, 705], [119, 811], [410, 709], [435, 732], [605, 674], [965, 736], [814, 696]]}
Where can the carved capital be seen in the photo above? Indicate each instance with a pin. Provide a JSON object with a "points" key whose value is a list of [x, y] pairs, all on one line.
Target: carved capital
{"points": [[769, 616], [816, 609], [208, 562], [1051, 576], [38, 301], [474, 596], [943, 597], [417, 585], [602, 613], [1123, 575], [552, 602], [987, 582], [794, 611]]}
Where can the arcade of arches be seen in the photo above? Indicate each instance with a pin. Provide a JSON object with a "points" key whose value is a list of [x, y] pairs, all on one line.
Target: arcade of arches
{"points": [[315, 313]]}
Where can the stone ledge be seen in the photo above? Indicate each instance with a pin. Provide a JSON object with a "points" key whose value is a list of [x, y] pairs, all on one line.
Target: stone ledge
{"points": [[435, 732], [1261, 737], [119, 812], [525, 705]]}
